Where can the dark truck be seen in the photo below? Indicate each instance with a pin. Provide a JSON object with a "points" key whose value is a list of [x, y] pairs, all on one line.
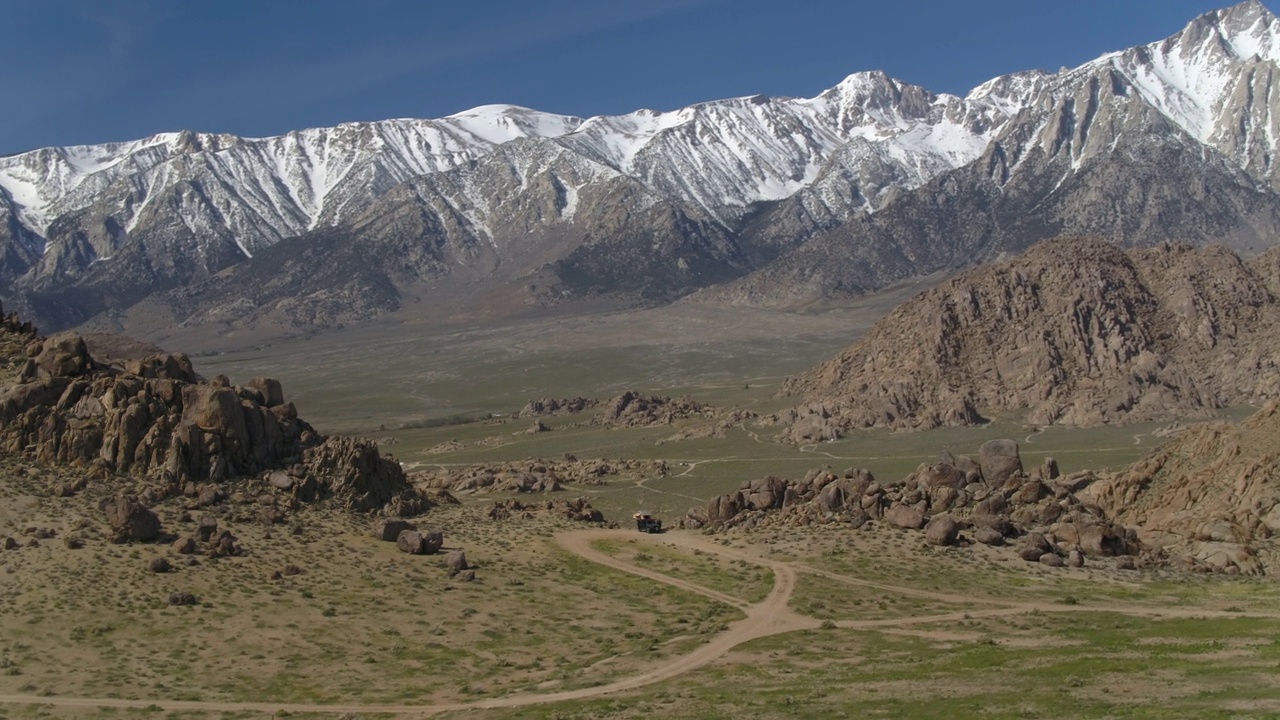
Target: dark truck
{"points": [[647, 523]]}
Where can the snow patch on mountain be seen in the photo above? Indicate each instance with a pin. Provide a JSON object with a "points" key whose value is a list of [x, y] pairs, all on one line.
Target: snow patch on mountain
{"points": [[847, 148]]}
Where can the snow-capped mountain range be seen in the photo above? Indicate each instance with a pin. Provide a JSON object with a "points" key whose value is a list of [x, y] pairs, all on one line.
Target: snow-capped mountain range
{"points": [[653, 205]]}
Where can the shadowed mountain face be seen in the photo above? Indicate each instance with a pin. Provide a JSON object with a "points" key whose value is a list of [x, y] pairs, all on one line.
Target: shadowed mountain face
{"points": [[760, 201], [1074, 332]]}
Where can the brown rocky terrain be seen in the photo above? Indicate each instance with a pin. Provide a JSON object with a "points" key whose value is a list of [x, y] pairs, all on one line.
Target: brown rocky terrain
{"points": [[1210, 492], [576, 510], [957, 500], [154, 419], [719, 427], [557, 406], [1073, 332], [632, 409], [536, 475], [1267, 265]]}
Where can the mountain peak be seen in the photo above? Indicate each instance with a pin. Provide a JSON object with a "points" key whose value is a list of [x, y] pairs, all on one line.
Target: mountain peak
{"points": [[878, 93], [1247, 10], [1248, 29], [864, 83], [857, 148]]}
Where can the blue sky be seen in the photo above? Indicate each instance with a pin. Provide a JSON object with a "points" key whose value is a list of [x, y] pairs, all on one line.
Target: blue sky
{"points": [[88, 71]]}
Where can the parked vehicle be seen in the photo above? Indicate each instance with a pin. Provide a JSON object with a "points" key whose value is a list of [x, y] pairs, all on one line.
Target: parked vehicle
{"points": [[647, 523]]}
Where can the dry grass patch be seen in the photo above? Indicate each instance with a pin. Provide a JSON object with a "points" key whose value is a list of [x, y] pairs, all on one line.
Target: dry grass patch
{"points": [[738, 578]]}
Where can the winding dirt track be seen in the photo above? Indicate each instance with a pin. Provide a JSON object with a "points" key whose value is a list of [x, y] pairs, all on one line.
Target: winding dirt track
{"points": [[771, 616]]}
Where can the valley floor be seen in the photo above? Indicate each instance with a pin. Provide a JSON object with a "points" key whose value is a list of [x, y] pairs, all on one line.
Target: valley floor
{"points": [[562, 622]]}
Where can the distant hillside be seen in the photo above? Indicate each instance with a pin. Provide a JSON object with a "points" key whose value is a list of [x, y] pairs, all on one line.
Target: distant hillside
{"points": [[1074, 332]]}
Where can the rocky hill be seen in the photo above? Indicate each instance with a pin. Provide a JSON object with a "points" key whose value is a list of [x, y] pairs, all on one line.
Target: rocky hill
{"points": [[155, 420], [1210, 492], [1074, 332], [774, 201]]}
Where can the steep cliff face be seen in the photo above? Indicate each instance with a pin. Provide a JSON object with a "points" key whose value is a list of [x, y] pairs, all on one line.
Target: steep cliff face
{"points": [[1074, 332]]}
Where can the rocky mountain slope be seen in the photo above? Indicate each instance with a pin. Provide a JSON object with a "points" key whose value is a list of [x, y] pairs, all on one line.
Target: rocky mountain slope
{"points": [[1074, 332], [1211, 492], [869, 182]]}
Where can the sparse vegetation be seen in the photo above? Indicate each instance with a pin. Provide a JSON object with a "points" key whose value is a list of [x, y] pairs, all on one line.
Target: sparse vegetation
{"points": [[361, 623]]}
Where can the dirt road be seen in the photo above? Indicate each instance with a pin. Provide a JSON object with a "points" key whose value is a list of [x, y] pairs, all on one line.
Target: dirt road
{"points": [[771, 616]]}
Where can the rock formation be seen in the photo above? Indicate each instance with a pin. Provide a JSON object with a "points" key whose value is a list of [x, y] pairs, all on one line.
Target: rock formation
{"points": [[576, 510], [522, 476], [153, 417], [717, 428], [1074, 332], [557, 406], [359, 477], [632, 409], [387, 529], [1211, 492], [952, 500], [130, 520]]}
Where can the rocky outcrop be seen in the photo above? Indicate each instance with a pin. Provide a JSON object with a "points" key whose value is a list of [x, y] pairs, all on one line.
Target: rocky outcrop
{"points": [[130, 520], [577, 510], [821, 496], [1073, 332], [523, 476], [631, 409], [11, 324], [718, 428], [387, 529], [557, 406], [952, 501], [412, 542], [1209, 493], [359, 477], [153, 417]]}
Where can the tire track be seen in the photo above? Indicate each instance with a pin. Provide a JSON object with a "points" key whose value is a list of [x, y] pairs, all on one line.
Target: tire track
{"points": [[771, 616]]}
